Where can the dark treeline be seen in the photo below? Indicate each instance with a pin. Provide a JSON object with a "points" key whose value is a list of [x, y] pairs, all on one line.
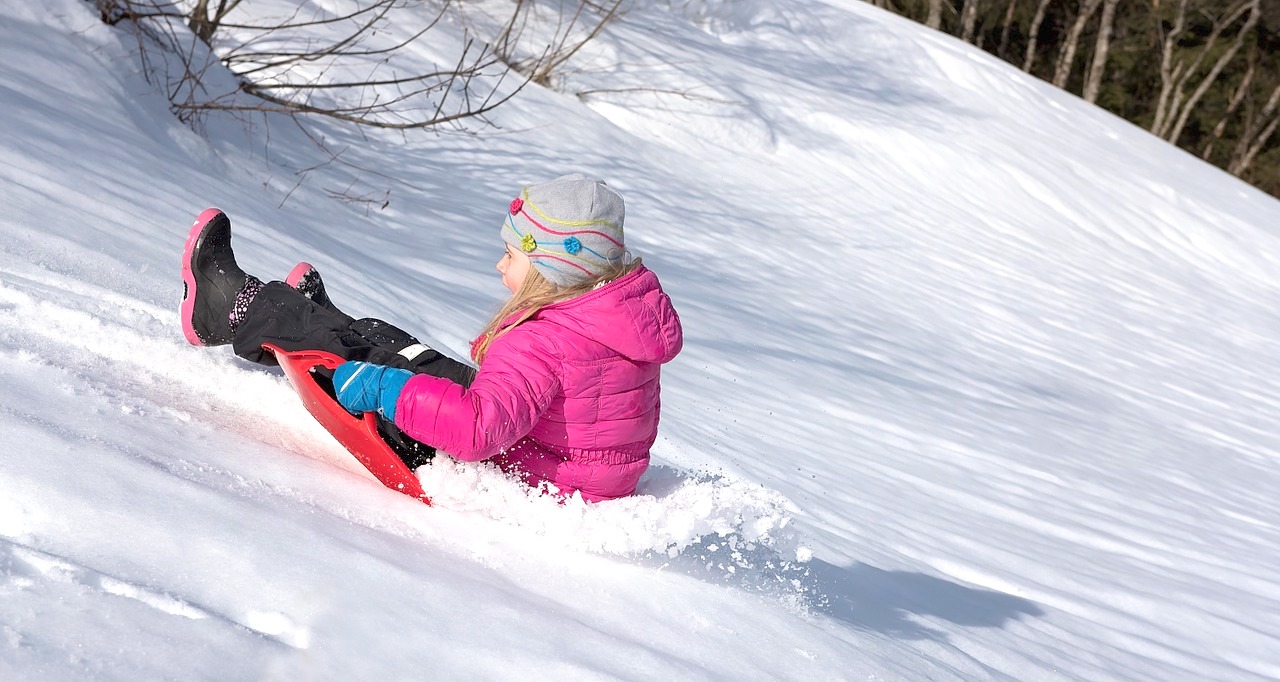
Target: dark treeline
{"points": [[1202, 74]]}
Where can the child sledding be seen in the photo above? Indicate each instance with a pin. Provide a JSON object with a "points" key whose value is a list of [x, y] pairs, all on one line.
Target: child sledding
{"points": [[565, 392]]}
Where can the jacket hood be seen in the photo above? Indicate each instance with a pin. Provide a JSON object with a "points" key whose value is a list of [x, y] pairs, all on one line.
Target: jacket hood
{"points": [[631, 315]]}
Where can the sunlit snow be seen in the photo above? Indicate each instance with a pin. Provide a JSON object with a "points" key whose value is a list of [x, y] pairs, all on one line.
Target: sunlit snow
{"points": [[980, 381]]}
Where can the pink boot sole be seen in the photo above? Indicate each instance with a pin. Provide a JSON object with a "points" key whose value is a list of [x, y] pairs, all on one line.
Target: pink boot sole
{"points": [[297, 273], [189, 278]]}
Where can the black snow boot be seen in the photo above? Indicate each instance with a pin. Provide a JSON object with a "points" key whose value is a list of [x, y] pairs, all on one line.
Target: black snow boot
{"points": [[306, 279], [216, 292]]}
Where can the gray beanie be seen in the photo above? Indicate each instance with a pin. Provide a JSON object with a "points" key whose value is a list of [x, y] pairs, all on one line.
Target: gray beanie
{"points": [[570, 227]]}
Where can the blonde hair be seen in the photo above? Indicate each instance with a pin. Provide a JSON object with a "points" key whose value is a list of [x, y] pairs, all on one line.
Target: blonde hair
{"points": [[536, 293]]}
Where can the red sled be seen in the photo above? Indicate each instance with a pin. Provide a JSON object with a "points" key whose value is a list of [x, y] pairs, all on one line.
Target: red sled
{"points": [[358, 435]]}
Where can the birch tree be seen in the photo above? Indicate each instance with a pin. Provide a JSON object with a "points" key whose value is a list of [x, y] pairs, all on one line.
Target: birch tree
{"points": [[968, 20], [1067, 53], [1238, 95], [934, 20], [1101, 50], [1257, 133], [1202, 74], [1003, 47], [1033, 32], [1183, 82]]}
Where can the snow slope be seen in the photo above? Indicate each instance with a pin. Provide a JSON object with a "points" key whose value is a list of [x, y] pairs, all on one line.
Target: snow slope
{"points": [[1000, 366]]}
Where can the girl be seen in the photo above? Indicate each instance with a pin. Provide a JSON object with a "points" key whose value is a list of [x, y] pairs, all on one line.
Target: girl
{"points": [[567, 389]]}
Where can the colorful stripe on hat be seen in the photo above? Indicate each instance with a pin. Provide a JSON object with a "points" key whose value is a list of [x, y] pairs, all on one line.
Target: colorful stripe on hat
{"points": [[567, 223], [584, 241]]}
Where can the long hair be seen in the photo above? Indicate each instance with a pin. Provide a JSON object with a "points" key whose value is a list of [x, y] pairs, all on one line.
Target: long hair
{"points": [[537, 293]]}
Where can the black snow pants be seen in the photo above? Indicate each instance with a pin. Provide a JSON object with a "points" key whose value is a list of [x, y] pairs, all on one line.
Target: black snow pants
{"points": [[281, 316]]}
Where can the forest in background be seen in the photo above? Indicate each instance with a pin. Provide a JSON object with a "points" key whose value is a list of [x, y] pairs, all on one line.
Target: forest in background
{"points": [[1202, 74]]}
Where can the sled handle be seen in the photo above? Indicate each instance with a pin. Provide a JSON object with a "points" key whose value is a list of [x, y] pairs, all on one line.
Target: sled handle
{"points": [[359, 435], [311, 359]]}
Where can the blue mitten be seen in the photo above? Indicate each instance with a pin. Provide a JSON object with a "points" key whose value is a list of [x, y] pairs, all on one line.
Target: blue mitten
{"points": [[366, 387]]}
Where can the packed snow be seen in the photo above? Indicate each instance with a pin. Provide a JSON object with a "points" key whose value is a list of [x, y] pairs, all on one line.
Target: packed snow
{"points": [[979, 382]]}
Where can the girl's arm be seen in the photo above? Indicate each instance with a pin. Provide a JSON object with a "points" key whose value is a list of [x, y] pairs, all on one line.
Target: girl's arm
{"points": [[513, 388]]}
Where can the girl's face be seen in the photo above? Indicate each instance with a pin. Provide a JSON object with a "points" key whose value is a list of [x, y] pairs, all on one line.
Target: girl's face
{"points": [[514, 267]]}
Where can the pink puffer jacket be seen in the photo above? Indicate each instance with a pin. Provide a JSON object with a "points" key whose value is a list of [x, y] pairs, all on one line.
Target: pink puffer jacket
{"points": [[569, 396]]}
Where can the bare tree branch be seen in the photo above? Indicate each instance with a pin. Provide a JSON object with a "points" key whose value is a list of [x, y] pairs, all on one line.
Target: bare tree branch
{"points": [[560, 56], [341, 64]]}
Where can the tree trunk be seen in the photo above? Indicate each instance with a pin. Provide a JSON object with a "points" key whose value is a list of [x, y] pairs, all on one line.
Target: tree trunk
{"points": [[198, 21], [204, 25], [1236, 98], [1256, 135], [1036, 21], [934, 20], [968, 20], [1101, 49], [1067, 55], [1190, 103], [1003, 49], [1168, 72]]}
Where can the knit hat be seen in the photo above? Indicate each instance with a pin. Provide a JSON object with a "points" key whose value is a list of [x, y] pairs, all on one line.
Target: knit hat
{"points": [[570, 227]]}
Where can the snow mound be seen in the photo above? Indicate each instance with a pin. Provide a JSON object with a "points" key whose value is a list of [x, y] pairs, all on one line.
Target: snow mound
{"points": [[672, 512]]}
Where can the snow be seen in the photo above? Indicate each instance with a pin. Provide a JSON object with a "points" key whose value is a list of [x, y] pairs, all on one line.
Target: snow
{"points": [[979, 382]]}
